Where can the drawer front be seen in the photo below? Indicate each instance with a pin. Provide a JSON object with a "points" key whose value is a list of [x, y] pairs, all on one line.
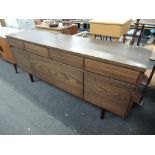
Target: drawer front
{"points": [[16, 43], [62, 76], [107, 93], [65, 58], [111, 71], [35, 49], [22, 59]]}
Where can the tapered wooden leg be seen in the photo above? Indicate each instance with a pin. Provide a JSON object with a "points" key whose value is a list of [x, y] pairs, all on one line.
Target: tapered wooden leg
{"points": [[140, 36], [102, 114], [116, 40], [110, 39], [31, 77], [124, 39], [15, 67], [94, 36], [148, 83]]}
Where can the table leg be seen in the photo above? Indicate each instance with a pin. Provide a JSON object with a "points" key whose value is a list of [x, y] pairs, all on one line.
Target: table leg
{"points": [[15, 67], [31, 77], [140, 36], [102, 114], [116, 40], [94, 36], [124, 38]]}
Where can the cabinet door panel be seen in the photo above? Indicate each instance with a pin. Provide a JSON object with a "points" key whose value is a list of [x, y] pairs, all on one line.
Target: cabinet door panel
{"points": [[60, 75], [111, 71], [107, 93], [22, 59]]}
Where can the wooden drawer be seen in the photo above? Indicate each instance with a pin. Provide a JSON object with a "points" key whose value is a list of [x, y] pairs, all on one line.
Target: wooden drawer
{"points": [[16, 43], [35, 49], [22, 59], [112, 71], [62, 76], [65, 58], [107, 93]]}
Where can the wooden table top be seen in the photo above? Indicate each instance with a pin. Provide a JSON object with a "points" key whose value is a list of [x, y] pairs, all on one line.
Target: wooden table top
{"points": [[111, 22], [125, 55], [59, 28]]}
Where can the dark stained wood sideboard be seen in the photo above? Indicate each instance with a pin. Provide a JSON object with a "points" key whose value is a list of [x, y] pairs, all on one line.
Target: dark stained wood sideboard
{"points": [[105, 74]]}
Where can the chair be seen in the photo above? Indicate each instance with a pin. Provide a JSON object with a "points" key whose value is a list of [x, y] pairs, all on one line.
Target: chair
{"points": [[149, 73]]}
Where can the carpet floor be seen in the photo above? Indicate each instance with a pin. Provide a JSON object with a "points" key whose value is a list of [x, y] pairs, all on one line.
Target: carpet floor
{"points": [[39, 108]]}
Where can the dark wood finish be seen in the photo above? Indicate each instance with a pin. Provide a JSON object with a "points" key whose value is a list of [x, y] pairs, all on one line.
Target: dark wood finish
{"points": [[16, 43], [65, 58], [23, 59], [107, 93], [124, 39], [42, 51], [123, 55], [105, 74], [60, 75], [136, 28], [111, 71], [147, 83], [140, 36]]}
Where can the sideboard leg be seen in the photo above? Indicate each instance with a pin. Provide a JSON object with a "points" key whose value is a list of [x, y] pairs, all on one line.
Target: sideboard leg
{"points": [[31, 77], [102, 114], [15, 67]]}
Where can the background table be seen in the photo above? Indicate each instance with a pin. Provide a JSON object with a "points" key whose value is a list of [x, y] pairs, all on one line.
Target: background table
{"points": [[70, 29], [109, 28]]}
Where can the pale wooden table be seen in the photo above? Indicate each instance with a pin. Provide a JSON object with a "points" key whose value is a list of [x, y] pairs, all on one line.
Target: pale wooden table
{"points": [[110, 28]]}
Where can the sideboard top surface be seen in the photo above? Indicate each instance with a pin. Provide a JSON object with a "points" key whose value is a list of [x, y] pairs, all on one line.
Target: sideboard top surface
{"points": [[87, 47]]}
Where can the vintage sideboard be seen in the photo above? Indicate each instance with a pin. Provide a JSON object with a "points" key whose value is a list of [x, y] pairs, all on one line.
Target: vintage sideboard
{"points": [[105, 74]]}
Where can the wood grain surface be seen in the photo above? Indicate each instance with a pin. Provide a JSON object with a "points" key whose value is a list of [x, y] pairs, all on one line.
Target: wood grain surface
{"points": [[22, 59], [107, 93], [38, 50], [58, 74], [16, 43], [112, 71], [118, 54], [65, 58]]}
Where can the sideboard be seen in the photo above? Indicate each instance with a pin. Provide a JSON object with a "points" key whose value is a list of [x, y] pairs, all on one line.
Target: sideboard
{"points": [[105, 74]]}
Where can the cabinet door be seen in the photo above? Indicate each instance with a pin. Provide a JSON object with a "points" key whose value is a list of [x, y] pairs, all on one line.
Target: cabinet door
{"points": [[22, 59], [58, 74], [112, 71], [107, 93]]}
